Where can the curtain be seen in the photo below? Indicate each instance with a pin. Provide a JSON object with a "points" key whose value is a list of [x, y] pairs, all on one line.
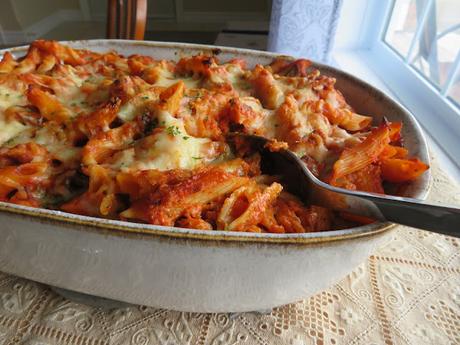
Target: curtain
{"points": [[304, 28]]}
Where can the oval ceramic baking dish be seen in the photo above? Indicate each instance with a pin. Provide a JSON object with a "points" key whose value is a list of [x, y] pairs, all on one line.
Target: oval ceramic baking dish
{"points": [[196, 270]]}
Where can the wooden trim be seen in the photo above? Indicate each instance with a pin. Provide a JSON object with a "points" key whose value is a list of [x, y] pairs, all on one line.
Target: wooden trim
{"points": [[129, 17], [111, 18], [140, 19], [120, 11], [126, 19]]}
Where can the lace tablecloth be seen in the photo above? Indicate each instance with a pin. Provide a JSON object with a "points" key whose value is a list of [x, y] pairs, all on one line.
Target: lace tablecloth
{"points": [[408, 292]]}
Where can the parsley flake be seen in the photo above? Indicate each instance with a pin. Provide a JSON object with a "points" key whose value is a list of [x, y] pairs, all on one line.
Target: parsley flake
{"points": [[197, 157], [9, 142], [173, 130], [185, 138]]}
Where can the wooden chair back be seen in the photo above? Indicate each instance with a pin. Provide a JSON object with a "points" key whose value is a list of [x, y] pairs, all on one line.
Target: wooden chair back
{"points": [[126, 19]]}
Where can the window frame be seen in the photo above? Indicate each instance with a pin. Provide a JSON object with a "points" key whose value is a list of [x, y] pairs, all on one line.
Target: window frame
{"points": [[367, 42]]}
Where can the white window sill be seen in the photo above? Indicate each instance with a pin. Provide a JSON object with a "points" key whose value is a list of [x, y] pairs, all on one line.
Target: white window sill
{"points": [[355, 62]]}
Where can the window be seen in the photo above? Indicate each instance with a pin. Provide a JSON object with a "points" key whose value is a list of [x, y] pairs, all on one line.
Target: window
{"points": [[426, 35], [413, 46]]}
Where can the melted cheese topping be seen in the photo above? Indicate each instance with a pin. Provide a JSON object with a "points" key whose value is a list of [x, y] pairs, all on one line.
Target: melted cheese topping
{"points": [[117, 115], [169, 148], [137, 105], [9, 128], [163, 150], [9, 97], [56, 143], [265, 121], [167, 78]]}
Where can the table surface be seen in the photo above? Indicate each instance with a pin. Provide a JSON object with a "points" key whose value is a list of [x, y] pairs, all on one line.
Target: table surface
{"points": [[408, 292]]}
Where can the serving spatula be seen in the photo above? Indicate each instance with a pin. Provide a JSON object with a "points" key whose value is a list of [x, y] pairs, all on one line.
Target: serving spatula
{"points": [[443, 219]]}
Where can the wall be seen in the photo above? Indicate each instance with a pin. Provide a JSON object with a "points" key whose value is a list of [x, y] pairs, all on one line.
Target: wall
{"points": [[8, 20], [24, 20], [30, 12]]}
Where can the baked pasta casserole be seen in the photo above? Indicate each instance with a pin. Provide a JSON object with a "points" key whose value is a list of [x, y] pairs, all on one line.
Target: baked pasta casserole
{"points": [[145, 140]]}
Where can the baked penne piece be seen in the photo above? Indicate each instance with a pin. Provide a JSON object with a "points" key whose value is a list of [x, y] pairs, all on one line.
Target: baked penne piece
{"points": [[8, 63]]}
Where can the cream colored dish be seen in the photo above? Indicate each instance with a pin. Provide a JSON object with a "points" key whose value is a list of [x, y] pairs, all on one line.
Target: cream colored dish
{"points": [[195, 270]]}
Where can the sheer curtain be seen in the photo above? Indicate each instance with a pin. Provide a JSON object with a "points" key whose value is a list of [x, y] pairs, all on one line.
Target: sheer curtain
{"points": [[304, 28]]}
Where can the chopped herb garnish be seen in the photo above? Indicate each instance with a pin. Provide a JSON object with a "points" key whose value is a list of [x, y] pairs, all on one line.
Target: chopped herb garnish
{"points": [[197, 157], [173, 130], [145, 97], [9, 142], [7, 95], [185, 138]]}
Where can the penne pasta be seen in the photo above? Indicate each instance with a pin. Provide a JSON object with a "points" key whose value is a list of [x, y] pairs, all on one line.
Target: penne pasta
{"points": [[143, 139]]}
